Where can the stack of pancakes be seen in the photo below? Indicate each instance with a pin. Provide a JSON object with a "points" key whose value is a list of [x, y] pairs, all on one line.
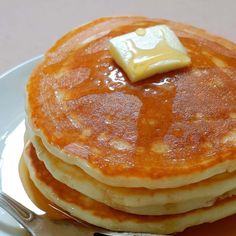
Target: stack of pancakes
{"points": [[154, 156]]}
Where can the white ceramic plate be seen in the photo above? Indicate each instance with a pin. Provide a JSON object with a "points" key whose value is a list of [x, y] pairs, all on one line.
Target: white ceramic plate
{"points": [[12, 96]]}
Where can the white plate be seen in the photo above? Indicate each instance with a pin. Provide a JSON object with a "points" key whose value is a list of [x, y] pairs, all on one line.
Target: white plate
{"points": [[12, 90]]}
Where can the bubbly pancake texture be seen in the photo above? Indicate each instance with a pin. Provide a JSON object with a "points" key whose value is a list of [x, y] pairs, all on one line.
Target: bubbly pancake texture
{"points": [[167, 131], [101, 215], [139, 200]]}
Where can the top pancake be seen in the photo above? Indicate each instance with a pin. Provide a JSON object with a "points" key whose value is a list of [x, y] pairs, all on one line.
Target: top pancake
{"points": [[146, 134]]}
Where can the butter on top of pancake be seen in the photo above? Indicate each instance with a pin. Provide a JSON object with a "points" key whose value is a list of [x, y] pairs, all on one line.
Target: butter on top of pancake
{"points": [[148, 51], [166, 131]]}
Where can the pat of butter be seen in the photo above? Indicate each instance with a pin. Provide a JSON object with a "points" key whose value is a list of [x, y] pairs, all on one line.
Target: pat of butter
{"points": [[148, 51]]}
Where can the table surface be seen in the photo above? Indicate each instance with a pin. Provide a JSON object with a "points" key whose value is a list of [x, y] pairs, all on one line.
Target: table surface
{"points": [[30, 27]]}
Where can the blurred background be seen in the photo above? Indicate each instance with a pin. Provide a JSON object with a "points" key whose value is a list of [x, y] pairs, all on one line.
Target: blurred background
{"points": [[29, 27]]}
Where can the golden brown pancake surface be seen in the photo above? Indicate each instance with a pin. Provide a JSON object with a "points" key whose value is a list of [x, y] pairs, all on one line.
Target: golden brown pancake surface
{"points": [[170, 124]]}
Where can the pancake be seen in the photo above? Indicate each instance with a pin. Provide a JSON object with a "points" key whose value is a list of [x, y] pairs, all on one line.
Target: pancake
{"points": [[154, 156], [99, 214], [167, 131], [138, 200]]}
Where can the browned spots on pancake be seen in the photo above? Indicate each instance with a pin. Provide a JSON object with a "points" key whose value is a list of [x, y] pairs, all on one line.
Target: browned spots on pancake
{"points": [[185, 109]]}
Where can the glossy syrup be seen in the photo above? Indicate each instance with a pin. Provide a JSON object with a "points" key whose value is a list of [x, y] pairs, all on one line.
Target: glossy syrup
{"points": [[224, 227]]}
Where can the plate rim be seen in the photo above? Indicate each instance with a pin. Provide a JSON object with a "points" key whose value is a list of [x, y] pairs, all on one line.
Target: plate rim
{"points": [[3, 78], [24, 63]]}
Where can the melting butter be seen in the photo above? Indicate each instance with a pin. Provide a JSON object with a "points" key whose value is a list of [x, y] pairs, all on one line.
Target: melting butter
{"points": [[162, 56], [149, 51], [140, 31]]}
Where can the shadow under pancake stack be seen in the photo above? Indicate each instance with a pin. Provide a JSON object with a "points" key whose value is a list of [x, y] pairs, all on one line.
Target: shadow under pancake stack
{"points": [[154, 156]]}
